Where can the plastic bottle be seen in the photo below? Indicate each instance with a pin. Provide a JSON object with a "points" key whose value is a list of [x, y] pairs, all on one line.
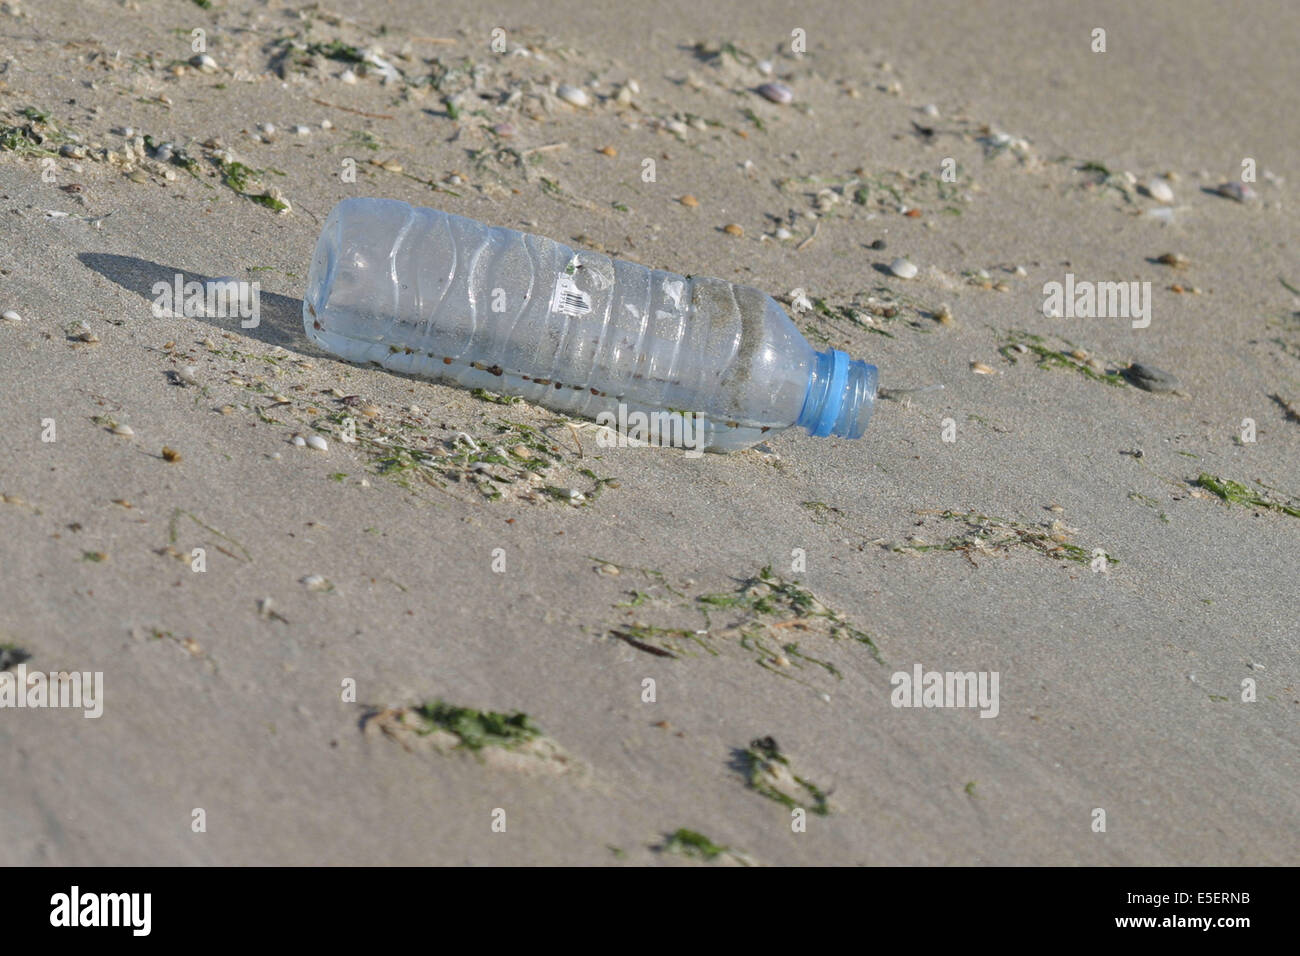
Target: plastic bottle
{"points": [[446, 298]]}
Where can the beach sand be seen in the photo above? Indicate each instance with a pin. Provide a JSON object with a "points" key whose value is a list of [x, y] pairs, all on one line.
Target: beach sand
{"points": [[1144, 630]]}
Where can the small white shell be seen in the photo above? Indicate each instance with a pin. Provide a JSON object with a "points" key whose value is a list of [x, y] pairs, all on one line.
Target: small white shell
{"points": [[573, 95], [188, 374], [204, 62], [299, 441], [301, 130], [903, 268], [347, 76], [776, 92], [1160, 191], [929, 109], [126, 431], [9, 315], [317, 442]]}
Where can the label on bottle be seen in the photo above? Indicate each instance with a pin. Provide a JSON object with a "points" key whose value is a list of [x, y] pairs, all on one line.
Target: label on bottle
{"points": [[568, 299]]}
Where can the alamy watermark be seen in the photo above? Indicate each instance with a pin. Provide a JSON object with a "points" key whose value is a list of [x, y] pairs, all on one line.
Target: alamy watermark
{"points": [[633, 428], [922, 688], [75, 690], [1083, 299], [214, 298], [75, 908]]}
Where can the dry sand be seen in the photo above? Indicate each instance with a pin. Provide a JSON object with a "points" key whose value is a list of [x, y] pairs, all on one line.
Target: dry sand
{"points": [[1120, 691]]}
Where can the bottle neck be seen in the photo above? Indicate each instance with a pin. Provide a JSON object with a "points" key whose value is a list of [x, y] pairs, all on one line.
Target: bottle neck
{"points": [[840, 398]]}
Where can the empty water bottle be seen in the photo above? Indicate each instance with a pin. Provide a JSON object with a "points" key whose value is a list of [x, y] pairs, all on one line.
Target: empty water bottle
{"points": [[446, 298]]}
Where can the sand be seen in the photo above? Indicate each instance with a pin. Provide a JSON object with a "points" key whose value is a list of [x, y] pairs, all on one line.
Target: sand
{"points": [[1121, 690]]}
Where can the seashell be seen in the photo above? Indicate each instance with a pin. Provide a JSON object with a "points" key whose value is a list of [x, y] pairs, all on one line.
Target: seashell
{"points": [[776, 92], [903, 268], [1159, 190], [573, 95], [1238, 191]]}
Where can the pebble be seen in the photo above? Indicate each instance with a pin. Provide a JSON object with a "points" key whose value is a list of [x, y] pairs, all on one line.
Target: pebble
{"points": [[689, 201], [765, 67], [317, 442], [521, 451], [299, 441], [314, 582], [1238, 191], [979, 368], [204, 62], [9, 315], [573, 95], [609, 151], [930, 110], [1160, 191], [1150, 378], [944, 314], [776, 92], [608, 570], [302, 130], [903, 268], [347, 76], [266, 129], [783, 233], [188, 374], [326, 124], [732, 229]]}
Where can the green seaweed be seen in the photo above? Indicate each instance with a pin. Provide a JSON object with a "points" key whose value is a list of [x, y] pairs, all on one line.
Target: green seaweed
{"points": [[337, 50], [12, 655], [1234, 492], [477, 729], [768, 773], [987, 534], [1054, 358], [692, 844]]}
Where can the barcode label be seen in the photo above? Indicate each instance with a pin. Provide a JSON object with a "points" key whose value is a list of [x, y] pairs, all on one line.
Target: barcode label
{"points": [[568, 299]]}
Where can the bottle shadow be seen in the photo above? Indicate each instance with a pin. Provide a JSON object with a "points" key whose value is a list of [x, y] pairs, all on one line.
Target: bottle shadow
{"points": [[280, 316]]}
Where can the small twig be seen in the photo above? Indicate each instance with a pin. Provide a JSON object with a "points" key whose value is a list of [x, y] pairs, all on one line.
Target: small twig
{"points": [[348, 109], [642, 645], [808, 242], [544, 149]]}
